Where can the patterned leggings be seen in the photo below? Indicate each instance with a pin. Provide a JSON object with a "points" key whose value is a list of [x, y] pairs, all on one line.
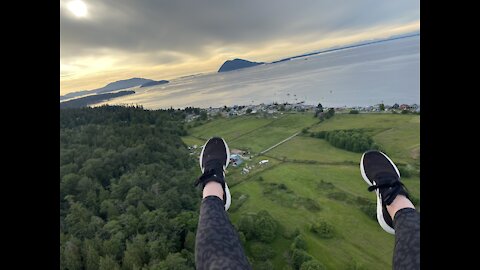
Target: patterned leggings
{"points": [[218, 246], [407, 239]]}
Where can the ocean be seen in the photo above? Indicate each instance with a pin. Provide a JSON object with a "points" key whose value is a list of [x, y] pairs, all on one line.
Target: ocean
{"points": [[388, 72]]}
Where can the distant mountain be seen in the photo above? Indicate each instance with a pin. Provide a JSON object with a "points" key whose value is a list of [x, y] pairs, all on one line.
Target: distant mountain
{"points": [[89, 100], [237, 64], [122, 84], [152, 83]]}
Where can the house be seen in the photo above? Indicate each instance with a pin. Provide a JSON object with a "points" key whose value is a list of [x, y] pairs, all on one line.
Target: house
{"points": [[404, 107], [236, 159], [213, 111]]}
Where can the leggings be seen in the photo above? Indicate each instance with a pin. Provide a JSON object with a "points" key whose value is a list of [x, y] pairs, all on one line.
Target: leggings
{"points": [[407, 239], [218, 246]]}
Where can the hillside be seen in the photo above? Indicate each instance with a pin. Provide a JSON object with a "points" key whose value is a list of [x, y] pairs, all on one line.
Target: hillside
{"points": [[117, 85], [152, 83], [234, 64], [126, 198], [89, 100], [308, 182]]}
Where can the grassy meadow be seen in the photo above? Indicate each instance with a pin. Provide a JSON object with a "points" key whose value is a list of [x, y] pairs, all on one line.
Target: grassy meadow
{"points": [[318, 181]]}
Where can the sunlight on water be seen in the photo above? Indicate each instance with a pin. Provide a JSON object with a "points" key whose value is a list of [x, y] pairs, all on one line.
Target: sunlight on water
{"points": [[367, 75]]}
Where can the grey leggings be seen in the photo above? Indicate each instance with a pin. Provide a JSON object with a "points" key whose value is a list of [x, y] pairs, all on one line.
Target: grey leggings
{"points": [[218, 246], [407, 239]]}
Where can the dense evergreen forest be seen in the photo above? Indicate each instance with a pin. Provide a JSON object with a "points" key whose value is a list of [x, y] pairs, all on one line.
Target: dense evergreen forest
{"points": [[126, 195]]}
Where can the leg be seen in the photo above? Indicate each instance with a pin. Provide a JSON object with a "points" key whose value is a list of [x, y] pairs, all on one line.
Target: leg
{"points": [[406, 222], [395, 212], [217, 244]]}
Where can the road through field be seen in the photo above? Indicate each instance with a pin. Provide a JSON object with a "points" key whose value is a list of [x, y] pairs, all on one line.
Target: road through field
{"points": [[286, 140]]}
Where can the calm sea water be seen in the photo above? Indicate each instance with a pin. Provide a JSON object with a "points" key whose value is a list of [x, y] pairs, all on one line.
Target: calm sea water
{"points": [[386, 72]]}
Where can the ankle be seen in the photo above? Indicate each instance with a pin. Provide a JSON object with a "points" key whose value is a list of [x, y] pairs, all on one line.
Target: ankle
{"points": [[213, 188], [398, 203]]}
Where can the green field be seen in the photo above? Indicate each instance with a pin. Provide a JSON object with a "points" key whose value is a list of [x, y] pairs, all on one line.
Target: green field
{"points": [[230, 129], [399, 134], [253, 133], [191, 141], [307, 148], [305, 166]]}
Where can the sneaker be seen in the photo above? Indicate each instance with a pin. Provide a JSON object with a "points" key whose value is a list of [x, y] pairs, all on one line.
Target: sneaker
{"points": [[381, 174], [214, 160]]}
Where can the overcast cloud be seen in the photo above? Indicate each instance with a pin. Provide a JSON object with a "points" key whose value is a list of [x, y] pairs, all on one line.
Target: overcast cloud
{"points": [[161, 32]]}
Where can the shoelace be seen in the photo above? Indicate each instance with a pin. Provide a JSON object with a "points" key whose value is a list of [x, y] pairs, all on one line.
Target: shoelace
{"points": [[388, 180], [397, 187], [213, 166], [372, 188]]}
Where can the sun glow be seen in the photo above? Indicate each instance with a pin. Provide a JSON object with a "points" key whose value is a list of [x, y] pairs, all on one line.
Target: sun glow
{"points": [[78, 8]]}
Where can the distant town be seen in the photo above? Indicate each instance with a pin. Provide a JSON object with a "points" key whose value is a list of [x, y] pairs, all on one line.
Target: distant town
{"points": [[274, 110], [280, 108]]}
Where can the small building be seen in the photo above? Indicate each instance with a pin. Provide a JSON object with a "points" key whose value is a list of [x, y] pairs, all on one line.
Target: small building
{"points": [[265, 161], [236, 159]]}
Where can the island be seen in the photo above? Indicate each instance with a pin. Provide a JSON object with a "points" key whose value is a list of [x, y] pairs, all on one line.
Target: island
{"points": [[89, 100], [152, 83], [237, 63]]}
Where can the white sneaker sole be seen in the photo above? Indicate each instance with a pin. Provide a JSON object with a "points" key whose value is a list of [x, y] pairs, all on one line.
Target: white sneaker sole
{"points": [[380, 218], [227, 190]]}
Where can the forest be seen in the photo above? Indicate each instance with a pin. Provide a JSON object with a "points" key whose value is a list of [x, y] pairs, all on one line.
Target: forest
{"points": [[127, 199], [355, 140]]}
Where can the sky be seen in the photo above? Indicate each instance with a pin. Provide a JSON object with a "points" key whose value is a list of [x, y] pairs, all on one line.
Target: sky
{"points": [[102, 41]]}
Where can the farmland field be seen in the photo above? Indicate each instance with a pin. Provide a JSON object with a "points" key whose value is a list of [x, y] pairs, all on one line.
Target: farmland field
{"points": [[306, 171]]}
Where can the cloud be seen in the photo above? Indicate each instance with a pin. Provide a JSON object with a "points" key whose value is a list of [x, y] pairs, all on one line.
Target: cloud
{"points": [[188, 26], [161, 32]]}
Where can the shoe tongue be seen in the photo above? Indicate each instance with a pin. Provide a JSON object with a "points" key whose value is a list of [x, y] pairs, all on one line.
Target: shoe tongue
{"points": [[214, 164], [213, 171], [385, 178], [390, 186]]}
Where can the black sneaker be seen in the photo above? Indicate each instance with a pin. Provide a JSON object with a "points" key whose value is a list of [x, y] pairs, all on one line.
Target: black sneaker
{"points": [[214, 160], [381, 174]]}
